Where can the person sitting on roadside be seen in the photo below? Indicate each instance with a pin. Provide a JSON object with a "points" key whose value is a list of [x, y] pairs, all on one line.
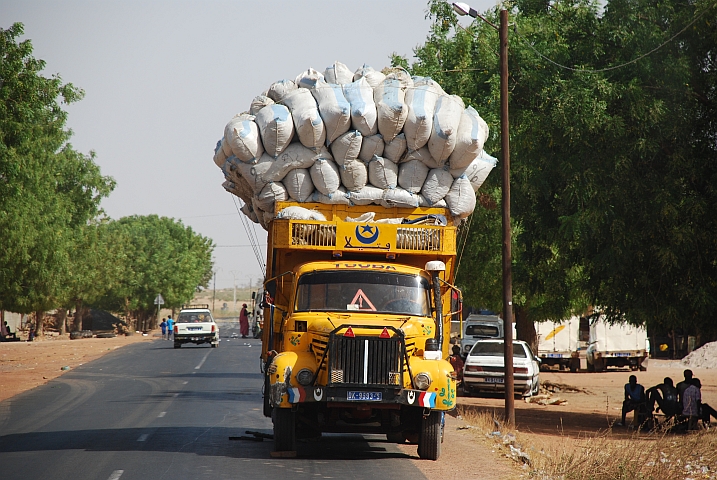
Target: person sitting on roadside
{"points": [[634, 398], [704, 410], [457, 362], [682, 386], [665, 395], [691, 402]]}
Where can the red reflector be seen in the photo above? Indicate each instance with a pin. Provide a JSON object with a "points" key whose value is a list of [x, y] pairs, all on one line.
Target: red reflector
{"points": [[385, 333], [349, 332], [176, 329], [214, 328]]}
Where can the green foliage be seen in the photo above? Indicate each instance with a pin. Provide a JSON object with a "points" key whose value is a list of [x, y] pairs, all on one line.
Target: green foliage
{"points": [[613, 159], [160, 255], [48, 191]]}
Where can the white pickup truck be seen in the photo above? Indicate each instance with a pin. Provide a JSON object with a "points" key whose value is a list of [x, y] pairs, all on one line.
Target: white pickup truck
{"points": [[195, 325]]}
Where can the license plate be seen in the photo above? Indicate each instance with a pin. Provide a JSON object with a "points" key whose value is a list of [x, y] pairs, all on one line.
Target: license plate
{"points": [[365, 396], [555, 355], [622, 354], [194, 329], [494, 379]]}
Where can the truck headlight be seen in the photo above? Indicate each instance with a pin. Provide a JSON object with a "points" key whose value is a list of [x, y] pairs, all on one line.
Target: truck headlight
{"points": [[422, 381], [304, 377]]}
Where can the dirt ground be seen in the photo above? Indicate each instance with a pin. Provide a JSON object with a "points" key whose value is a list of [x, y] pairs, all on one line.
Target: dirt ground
{"points": [[467, 453]]}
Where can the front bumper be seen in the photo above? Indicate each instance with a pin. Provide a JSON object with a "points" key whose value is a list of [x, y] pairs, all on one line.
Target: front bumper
{"points": [[294, 395]]}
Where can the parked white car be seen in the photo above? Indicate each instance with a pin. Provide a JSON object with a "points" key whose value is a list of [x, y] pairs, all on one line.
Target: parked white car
{"points": [[195, 325], [484, 368]]}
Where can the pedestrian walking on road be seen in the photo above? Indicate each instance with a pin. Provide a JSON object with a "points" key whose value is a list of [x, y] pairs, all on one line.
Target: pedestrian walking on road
{"points": [[170, 327], [163, 326], [244, 321]]}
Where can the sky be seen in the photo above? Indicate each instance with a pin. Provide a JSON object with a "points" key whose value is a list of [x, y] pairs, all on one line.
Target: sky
{"points": [[163, 77]]}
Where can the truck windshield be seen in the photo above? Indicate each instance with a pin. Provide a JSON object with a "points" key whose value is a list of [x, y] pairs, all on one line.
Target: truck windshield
{"points": [[366, 291]]}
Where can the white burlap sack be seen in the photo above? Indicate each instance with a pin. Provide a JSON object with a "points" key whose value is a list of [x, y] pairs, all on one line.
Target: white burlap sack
{"points": [[325, 175], [438, 182], [400, 74], [412, 175], [347, 147], [255, 174], [371, 146], [363, 109], [366, 196], [353, 175], [307, 121], [226, 148], [259, 214], [421, 101], [445, 127], [382, 173], [461, 198], [391, 109], [339, 197], [472, 134], [278, 90], [219, 156], [259, 102], [422, 155], [271, 193], [242, 135], [248, 210], [298, 184], [422, 81], [300, 213], [422, 202], [478, 170], [398, 197], [373, 77], [335, 110], [295, 156], [395, 149], [308, 78], [338, 73], [276, 128]]}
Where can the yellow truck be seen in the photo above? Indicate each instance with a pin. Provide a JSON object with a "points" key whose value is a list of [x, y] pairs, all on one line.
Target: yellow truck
{"points": [[358, 307]]}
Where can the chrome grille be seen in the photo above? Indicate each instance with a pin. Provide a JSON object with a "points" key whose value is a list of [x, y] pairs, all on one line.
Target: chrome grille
{"points": [[426, 239], [366, 360]]}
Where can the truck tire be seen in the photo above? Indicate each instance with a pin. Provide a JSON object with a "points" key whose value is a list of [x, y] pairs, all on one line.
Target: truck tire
{"points": [[599, 365], [214, 345], [574, 364], [431, 437], [284, 430]]}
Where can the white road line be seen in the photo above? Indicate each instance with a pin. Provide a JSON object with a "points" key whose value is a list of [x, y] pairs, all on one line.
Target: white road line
{"points": [[116, 475], [176, 394], [161, 414], [185, 383], [143, 437], [203, 360]]}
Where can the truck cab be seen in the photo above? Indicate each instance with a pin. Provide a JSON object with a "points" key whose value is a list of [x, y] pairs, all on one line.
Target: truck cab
{"points": [[353, 338]]}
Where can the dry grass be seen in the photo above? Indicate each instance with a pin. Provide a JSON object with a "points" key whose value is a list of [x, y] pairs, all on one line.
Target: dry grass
{"points": [[605, 456]]}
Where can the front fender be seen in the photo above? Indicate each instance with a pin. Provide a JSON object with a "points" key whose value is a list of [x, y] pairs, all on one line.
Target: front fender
{"points": [[443, 383], [282, 375]]}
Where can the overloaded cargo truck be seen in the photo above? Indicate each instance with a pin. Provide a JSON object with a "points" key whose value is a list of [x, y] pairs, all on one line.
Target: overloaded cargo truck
{"points": [[616, 345], [558, 343], [357, 322]]}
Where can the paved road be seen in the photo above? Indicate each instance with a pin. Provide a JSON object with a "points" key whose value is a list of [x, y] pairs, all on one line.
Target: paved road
{"points": [[148, 411]]}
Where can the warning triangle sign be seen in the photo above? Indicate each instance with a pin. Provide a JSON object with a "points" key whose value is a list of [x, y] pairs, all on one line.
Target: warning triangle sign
{"points": [[362, 301]]}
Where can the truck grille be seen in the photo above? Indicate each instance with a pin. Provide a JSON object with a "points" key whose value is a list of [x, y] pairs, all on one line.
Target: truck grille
{"points": [[427, 239], [365, 360]]}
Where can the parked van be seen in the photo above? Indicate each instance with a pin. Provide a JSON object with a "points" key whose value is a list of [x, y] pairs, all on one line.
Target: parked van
{"points": [[478, 326], [558, 343], [617, 345]]}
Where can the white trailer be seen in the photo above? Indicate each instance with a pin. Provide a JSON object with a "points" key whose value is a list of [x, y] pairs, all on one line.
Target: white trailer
{"points": [[616, 345], [558, 343]]}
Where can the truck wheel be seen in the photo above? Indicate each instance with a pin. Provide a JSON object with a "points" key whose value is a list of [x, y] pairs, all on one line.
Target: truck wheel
{"points": [[177, 345], [574, 365], [214, 345], [265, 393], [284, 430], [429, 442], [599, 365]]}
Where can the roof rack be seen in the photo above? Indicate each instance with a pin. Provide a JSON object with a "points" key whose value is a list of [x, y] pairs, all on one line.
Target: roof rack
{"points": [[190, 306]]}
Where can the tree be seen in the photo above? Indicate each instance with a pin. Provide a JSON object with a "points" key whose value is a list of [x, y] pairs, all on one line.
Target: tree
{"points": [[47, 189], [160, 256]]}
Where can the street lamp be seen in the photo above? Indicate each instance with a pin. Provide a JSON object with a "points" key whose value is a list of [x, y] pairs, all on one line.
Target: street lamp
{"points": [[463, 9]]}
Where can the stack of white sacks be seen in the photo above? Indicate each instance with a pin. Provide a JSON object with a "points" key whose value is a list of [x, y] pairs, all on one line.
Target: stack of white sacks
{"points": [[356, 139]]}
